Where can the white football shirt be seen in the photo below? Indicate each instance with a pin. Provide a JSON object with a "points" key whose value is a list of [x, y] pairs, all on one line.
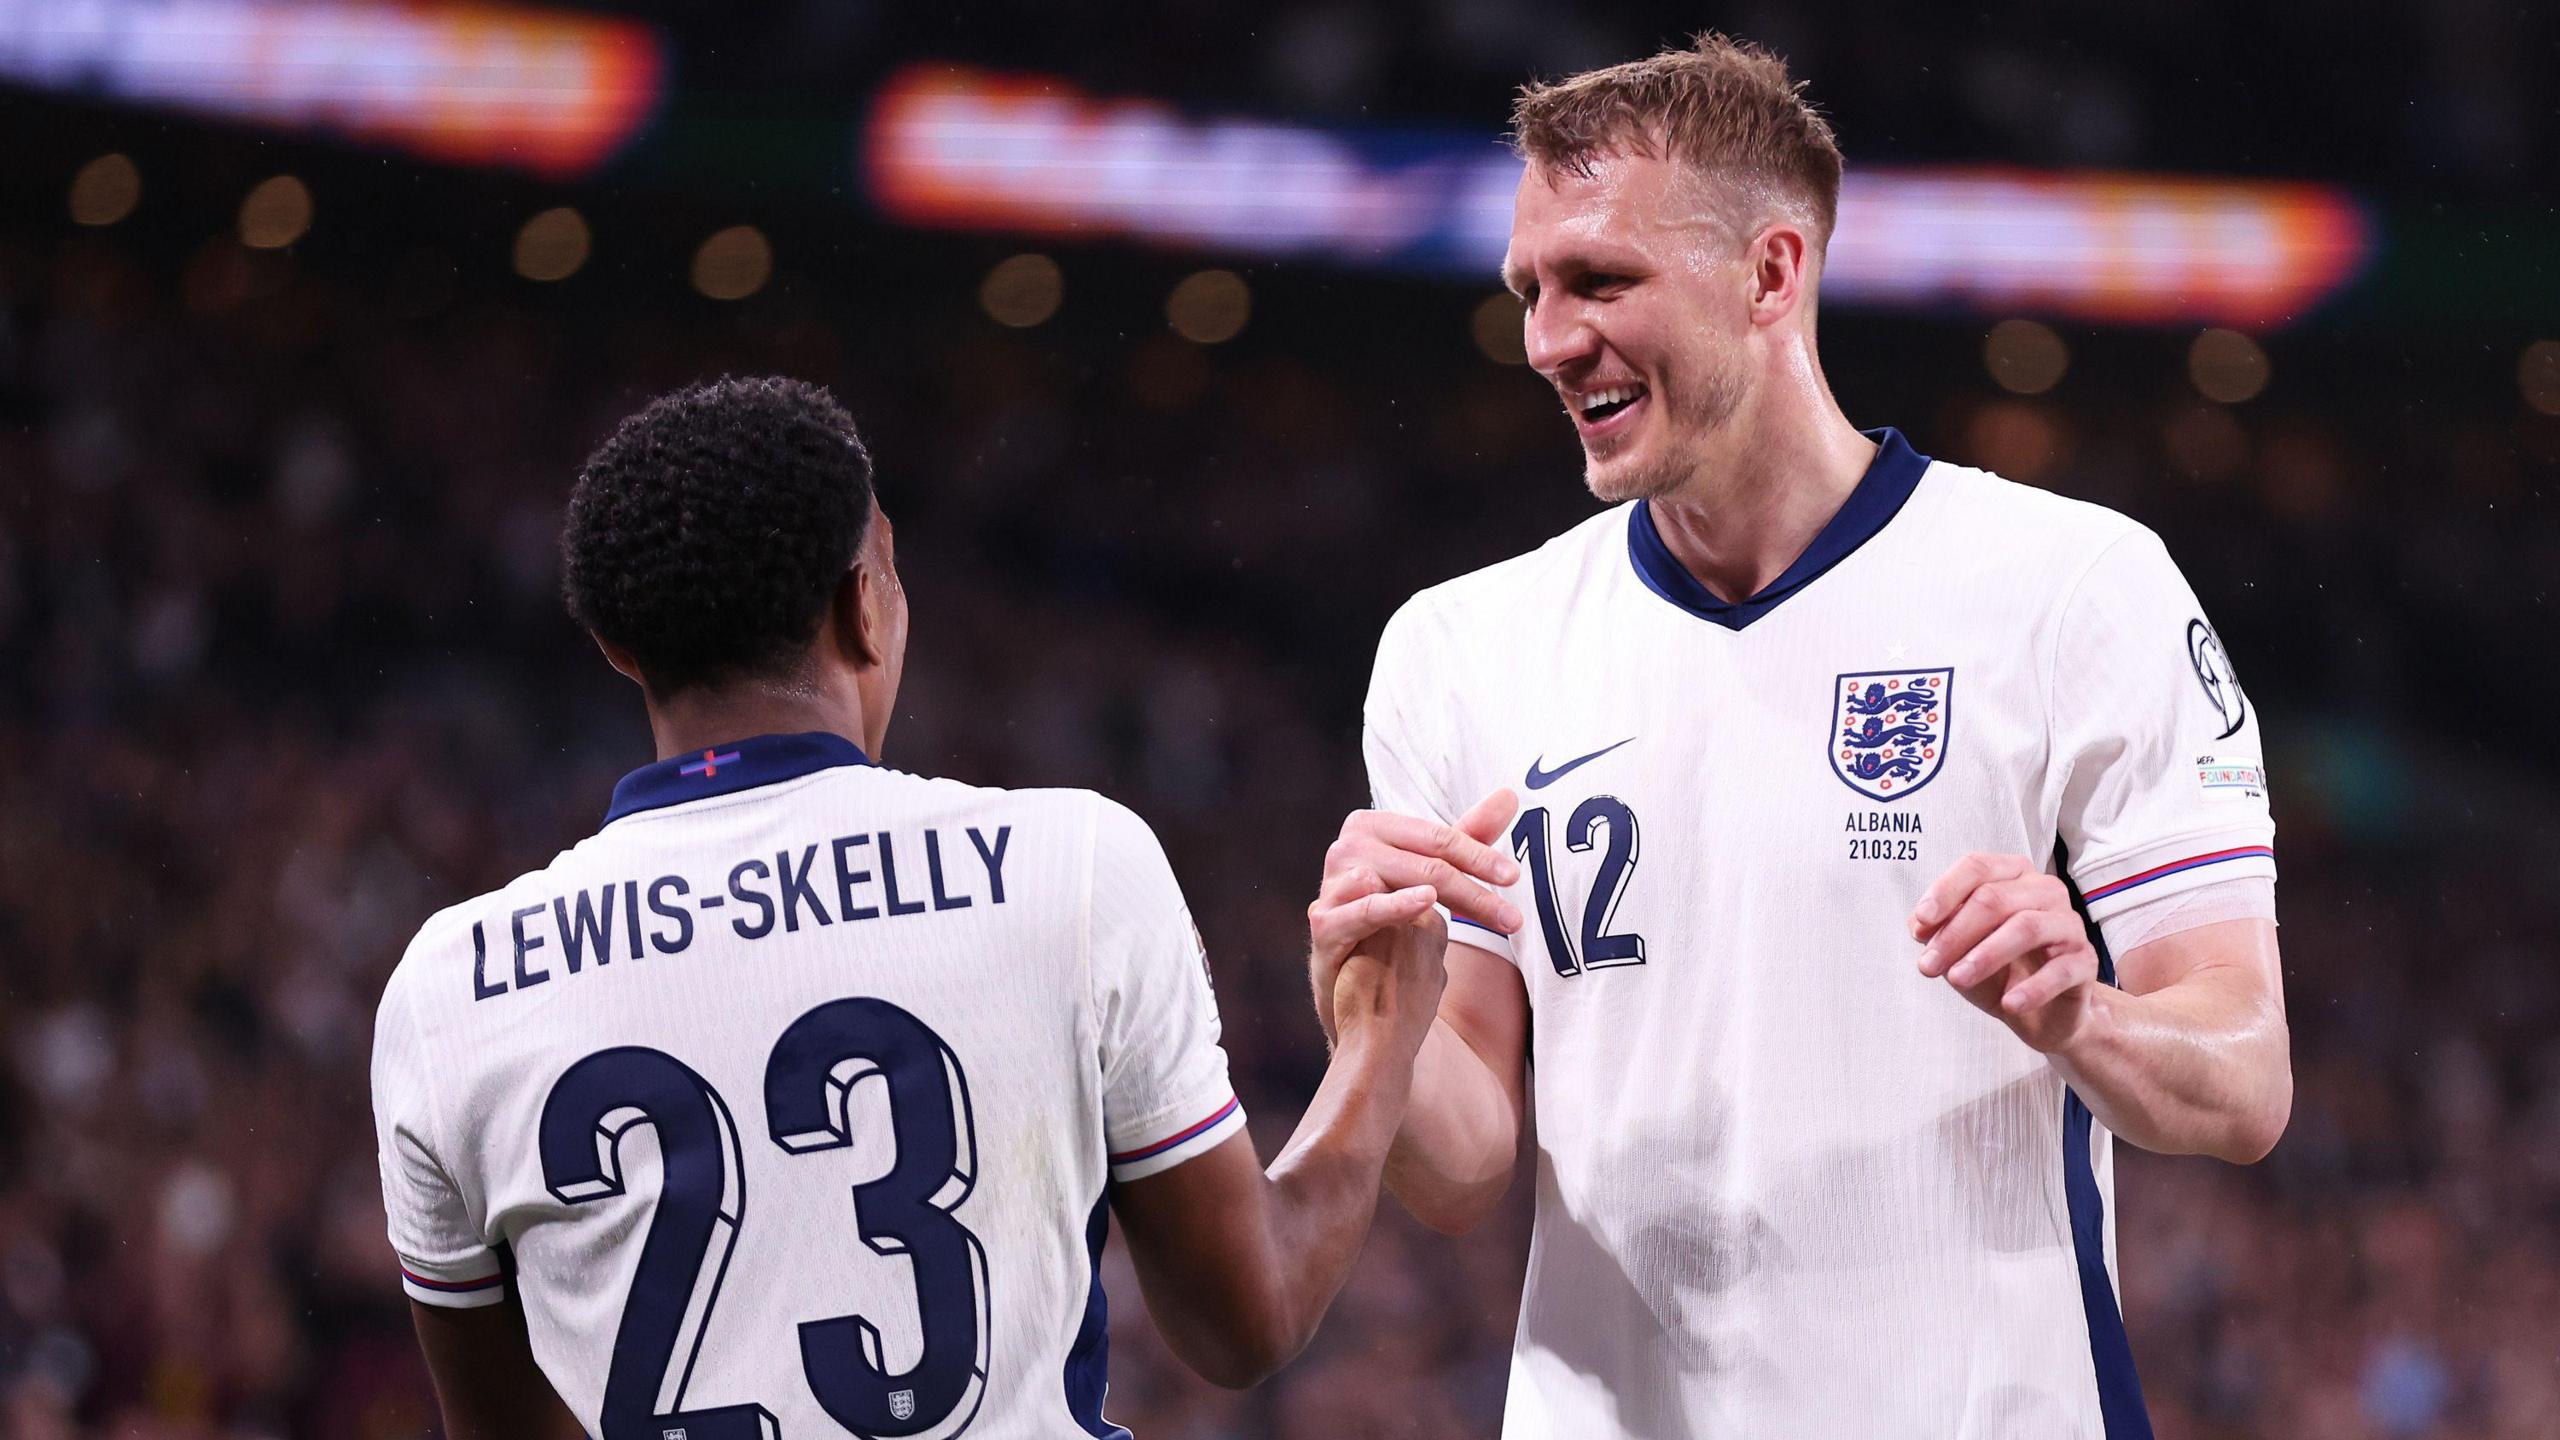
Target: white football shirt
{"points": [[790, 1097], [1786, 1186]]}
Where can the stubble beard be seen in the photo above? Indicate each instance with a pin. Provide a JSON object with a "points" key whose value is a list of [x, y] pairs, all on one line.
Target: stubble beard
{"points": [[1694, 411]]}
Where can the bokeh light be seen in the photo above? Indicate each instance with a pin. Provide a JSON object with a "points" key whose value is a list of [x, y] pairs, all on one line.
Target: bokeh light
{"points": [[1497, 329], [223, 274], [2207, 443], [2538, 376], [553, 245], [733, 264], [275, 214], [1022, 291], [2228, 366], [2301, 472], [105, 191], [2018, 440], [1209, 308], [2025, 357]]}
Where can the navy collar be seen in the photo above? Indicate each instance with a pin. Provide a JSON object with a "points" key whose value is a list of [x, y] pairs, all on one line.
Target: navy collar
{"points": [[730, 768], [1889, 481]]}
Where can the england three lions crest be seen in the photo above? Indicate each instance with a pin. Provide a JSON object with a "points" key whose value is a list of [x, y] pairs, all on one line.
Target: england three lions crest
{"points": [[1889, 729]]}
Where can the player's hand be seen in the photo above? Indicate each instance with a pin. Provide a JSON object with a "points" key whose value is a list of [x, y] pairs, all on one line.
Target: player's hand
{"points": [[1379, 851], [2004, 934], [1384, 950]]}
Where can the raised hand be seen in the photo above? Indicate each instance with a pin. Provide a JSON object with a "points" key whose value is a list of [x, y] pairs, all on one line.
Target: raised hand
{"points": [[2005, 935], [1385, 948], [1380, 854]]}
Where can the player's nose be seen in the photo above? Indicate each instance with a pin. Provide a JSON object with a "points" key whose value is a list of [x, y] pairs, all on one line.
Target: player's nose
{"points": [[1556, 336]]}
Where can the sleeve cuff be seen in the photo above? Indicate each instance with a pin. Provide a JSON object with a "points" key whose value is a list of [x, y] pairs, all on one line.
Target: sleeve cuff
{"points": [[2169, 870], [466, 1284], [1484, 937], [2242, 897], [1166, 1151]]}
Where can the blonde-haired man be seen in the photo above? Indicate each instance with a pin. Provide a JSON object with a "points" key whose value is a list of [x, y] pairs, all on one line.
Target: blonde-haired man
{"points": [[1847, 772]]}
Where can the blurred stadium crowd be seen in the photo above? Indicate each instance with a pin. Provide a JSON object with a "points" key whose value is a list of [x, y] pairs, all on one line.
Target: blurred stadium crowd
{"points": [[286, 671], [283, 669]]}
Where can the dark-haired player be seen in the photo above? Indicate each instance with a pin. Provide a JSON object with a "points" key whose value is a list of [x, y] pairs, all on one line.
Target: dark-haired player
{"points": [[792, 1097]]}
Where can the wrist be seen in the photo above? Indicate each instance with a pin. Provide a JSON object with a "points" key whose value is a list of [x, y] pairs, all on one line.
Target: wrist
{"points": [[2099, 1023], [1361, 1039], [1376, 1059]]}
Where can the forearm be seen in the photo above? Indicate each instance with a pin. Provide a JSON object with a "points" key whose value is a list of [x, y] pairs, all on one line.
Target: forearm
{"points": [[1239, 1262], [1453, 1156], [2200, 1067], [488, 1386], [1323, 1187]]}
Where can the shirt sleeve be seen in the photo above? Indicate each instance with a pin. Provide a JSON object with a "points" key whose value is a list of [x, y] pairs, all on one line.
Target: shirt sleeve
{"points": [[2248, 898], [1165, 1093], [2164, 785], [1406, 737], [443, 1258]]}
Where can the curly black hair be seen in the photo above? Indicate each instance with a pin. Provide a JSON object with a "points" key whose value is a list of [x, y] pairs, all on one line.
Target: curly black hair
{"points": [[707, 535]]}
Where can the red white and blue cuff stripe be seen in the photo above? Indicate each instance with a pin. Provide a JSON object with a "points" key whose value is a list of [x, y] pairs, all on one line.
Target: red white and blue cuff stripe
{"points": [[470, 1294], [1179, 1146], [2115, 888]]}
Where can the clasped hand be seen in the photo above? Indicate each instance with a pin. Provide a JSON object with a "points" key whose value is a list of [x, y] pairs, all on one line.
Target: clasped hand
{"points": [[1373, 916], [2007, 937]]}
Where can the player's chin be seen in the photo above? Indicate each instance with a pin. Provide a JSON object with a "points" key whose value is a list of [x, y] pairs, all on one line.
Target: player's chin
{"points": [[1624, 459], [1620, 473]]}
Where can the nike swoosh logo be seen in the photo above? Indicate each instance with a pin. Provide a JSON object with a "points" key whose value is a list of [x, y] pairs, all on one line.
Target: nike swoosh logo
{"points": [[1540, 779]]}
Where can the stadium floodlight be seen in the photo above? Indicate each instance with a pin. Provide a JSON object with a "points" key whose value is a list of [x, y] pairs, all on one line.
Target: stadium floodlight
{"points": [[967, 149], [554, 93]]}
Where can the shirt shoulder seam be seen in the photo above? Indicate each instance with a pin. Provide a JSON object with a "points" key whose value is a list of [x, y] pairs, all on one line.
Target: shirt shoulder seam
{"points": [[1084, 925], [439, 1134], [2061, 617]]}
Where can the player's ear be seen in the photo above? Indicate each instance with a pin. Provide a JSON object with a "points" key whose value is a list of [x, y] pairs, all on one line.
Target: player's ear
{"points": [[870, 604], [861, 619], [620, 659], [1780, 259]]}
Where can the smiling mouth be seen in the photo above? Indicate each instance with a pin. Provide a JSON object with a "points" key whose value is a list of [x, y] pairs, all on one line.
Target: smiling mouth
{"points": [[1596, 408]]}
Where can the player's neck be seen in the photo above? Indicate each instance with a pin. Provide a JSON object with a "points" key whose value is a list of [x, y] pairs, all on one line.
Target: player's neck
{"points": [[1752, 510], [701, 718]]}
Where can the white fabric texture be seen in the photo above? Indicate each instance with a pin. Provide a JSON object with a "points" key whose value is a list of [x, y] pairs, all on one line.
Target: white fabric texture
{"points": [[884, 1030], [1785, 1185]]}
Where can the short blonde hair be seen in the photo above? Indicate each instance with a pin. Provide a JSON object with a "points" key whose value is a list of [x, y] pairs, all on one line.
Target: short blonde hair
{"points": [[1724, 107]]}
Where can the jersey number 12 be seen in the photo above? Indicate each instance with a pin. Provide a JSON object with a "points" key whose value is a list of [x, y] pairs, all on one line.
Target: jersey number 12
{"points": [[1598, 947]]}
